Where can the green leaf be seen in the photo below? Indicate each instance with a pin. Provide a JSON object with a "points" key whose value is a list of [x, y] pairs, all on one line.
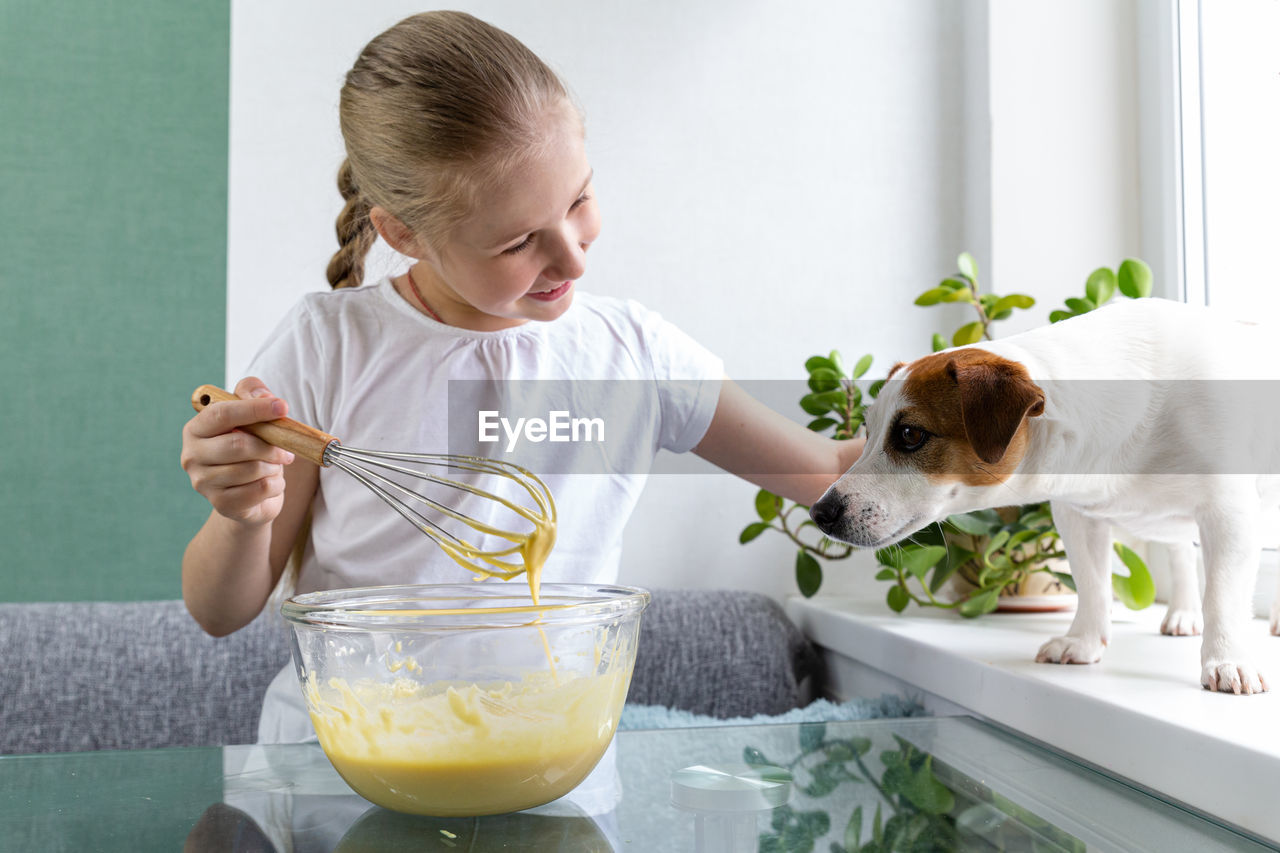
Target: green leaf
{"points": [[956, 557], [1013, 300], [833, 398], [970, 333], [755, 758], [1136, 591], [767, 505], [863, 365], [1060, 315], [996, 543], [837, 361], [751, 531], [1080, 306], [813, 405], [932, 296], [823, 379], [817, 361], [1035, 515], [853, 831], [891, 557], [808, 573], [1135, 278], [1100, 286], [1021, 536], [822, 424], [898, 599], [1065, 579], [925, 791], [967, 265], [980, 603], [939, 342], [918, 561], [954, 283], [974, 523], [961, 295], [886, 575]]}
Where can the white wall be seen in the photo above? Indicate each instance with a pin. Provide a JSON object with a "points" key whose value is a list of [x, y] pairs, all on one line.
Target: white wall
{"points": [[777, 178]]}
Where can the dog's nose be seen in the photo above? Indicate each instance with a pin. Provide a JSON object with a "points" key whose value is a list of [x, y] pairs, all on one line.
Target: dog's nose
{"points": [[827, 511]]}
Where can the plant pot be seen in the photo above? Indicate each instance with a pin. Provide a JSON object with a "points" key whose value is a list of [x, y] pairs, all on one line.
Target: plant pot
{"points": [[1037, 592], [1040, 592]]}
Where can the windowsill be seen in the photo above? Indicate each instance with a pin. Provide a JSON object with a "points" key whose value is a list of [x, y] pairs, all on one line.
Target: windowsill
{"points": [[1139, 714]]}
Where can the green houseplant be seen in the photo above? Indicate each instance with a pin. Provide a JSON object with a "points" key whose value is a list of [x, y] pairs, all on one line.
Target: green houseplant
{"points": [[994, 552]]}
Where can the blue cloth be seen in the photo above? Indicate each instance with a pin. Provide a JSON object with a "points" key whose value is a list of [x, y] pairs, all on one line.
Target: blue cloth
{"points": [[636, 716]]}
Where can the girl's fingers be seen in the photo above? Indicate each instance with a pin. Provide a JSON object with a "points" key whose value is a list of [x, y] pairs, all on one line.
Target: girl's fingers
{"points": [[238, 446], [222, 417], [224, 477], [250, 501], [251, 387]]}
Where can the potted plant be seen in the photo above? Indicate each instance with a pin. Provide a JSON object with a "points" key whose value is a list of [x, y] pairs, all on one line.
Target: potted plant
{"points": [[979, 558]]}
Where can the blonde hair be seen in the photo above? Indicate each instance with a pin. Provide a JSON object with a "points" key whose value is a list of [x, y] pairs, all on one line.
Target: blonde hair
{"points": [[435, 108]]}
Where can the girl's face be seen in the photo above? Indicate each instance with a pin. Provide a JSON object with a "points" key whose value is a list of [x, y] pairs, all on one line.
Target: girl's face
{"points": [[515, 258]]}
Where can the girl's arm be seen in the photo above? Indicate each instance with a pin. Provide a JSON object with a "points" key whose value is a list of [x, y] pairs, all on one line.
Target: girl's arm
{"points": [[260, 503], [751, 440]]}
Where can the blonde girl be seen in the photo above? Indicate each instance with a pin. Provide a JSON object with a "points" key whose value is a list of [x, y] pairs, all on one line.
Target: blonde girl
{"points": [[466, 154]]}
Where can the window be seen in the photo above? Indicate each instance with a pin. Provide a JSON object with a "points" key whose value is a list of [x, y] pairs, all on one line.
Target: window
{"points": [[1229, 70]]}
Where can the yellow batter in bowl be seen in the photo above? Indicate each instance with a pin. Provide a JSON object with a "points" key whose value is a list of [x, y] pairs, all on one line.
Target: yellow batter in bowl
{"points": [[430, 708]]}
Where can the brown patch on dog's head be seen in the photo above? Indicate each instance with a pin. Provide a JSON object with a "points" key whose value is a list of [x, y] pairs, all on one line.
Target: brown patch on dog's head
{"points": [[962, 416]]}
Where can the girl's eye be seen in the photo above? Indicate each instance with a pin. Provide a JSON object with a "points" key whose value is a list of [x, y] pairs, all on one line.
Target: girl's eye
{"points": [[528, 241], [911, 437], [519, 247]]}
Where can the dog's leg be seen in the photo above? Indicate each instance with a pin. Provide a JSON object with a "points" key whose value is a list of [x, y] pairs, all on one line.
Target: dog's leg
{"points": [[1183, 617], [1088, 545], [1275, 613], [1229, 542]]}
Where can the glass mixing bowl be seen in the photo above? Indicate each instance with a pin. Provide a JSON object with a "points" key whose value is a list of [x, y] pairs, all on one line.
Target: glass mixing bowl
{"points": [[465, 700]]}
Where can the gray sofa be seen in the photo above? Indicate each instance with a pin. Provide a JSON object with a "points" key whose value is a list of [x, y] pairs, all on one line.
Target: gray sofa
{"points": [[83, 676]]}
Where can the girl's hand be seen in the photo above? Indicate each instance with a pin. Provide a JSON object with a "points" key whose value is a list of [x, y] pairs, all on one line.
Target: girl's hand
{"points": [[238, 473]]}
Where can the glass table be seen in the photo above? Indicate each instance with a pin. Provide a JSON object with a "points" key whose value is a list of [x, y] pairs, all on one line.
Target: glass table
{"points": [[931, 784]]}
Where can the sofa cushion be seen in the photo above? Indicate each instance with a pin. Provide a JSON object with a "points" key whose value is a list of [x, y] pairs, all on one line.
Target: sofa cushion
{"points": [[108, 675], [129, 675], [723, 653]]}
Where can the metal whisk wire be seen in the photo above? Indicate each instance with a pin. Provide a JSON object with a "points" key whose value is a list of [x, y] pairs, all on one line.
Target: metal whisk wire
{"points": [[368, 467], [359, 464]]}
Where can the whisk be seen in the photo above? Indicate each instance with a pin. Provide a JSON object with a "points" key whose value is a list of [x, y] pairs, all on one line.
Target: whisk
{"points": [[374, 469]]}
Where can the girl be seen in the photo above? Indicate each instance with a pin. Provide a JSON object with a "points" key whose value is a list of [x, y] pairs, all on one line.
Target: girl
{"points": [[465, 153]]}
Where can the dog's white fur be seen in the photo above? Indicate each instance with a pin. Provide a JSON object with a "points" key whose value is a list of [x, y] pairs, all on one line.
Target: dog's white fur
{"points": [[1108, 453]]}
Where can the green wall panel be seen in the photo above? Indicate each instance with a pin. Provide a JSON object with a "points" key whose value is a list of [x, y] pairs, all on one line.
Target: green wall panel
{"points": [[113, 175]]}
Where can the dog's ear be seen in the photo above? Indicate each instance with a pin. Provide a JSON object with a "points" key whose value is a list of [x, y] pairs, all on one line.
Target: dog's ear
{"points": [[995, 395]]}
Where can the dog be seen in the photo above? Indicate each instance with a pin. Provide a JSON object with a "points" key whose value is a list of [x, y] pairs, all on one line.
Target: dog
{"points": [[1144, 414]]}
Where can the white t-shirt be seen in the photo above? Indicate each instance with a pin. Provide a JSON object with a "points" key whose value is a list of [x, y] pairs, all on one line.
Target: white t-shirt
{"points": [[365, 366]]}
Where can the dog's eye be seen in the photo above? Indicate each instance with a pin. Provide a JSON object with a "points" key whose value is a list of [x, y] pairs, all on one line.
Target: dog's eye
{"points": [[911, 437]]}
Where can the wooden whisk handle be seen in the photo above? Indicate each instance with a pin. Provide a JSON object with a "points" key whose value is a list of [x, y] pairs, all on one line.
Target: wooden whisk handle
{"points": [[285, 433]]}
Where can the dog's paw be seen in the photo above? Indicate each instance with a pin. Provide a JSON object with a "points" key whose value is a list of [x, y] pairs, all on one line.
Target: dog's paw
{"points": [[1071, 650], [1182, 622], [1226, 677]]}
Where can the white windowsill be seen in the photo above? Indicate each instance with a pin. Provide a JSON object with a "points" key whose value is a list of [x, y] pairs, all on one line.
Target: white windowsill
{"points": [[1140, 713]]}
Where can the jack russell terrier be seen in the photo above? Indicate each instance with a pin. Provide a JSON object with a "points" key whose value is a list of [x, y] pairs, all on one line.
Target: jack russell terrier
{"points": [[1142, 414]]}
